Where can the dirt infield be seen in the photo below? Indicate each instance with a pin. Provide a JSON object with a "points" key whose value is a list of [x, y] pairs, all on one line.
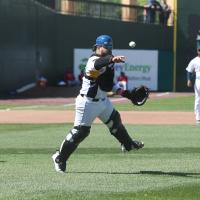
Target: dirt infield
{"points": [[128, 117]]}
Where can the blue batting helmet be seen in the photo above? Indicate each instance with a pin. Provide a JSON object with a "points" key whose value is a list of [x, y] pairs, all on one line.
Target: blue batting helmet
{"points": [[104, 40]]}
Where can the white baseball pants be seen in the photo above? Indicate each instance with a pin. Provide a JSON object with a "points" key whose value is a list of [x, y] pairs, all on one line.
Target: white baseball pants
{"points": [[197, 99], [87, 110]]}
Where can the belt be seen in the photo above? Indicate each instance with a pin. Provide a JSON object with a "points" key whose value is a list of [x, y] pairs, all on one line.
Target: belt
{"points": [[93, 99]]}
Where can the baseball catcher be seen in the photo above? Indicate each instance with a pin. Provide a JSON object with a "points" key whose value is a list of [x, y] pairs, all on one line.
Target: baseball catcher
{"points": [[138, 96], [93, 102]]}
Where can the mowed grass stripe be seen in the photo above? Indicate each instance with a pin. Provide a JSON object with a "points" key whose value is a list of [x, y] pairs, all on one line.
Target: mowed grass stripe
{"points": [[192, 192], [146, 150]]}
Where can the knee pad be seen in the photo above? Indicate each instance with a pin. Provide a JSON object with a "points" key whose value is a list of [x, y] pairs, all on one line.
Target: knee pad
{"points": [[78, 134]]}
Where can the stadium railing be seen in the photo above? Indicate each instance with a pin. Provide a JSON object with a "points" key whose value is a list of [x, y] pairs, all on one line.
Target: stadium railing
{"points": [[102, 10]]}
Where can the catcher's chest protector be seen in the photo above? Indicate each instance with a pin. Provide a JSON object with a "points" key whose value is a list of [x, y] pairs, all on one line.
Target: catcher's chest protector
{"points": [[105, 80]]}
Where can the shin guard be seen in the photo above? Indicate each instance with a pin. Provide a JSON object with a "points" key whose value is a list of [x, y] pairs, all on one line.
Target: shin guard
{"points": [[118, 130], [72, 140]]}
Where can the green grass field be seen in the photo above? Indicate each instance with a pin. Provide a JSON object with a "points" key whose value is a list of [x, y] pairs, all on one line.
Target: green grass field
{"points": [[168, 104], [168, 168]]}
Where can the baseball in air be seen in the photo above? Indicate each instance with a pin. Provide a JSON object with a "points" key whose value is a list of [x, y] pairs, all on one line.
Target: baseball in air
{"points": [[132, 44]]}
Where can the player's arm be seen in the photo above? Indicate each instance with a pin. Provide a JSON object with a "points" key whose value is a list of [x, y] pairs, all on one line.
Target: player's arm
{"points": [[190, 72], [189, 79], [119, 91], [107, 60], [103, 61]]}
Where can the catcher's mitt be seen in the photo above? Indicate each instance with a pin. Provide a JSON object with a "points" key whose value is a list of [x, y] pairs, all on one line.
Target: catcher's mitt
{"points": [[139, 95]]}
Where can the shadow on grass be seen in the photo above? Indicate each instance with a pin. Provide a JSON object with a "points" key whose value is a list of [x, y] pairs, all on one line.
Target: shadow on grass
{"points": [[154, 173], [183, 174], [100, 150]]}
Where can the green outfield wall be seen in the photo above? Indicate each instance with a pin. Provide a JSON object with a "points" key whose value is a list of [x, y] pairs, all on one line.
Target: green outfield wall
{"points": [[26, 47], [36, 41]]}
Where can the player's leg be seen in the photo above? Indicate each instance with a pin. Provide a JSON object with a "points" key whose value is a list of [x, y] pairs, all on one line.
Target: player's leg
{"points": [[197, 100], [124, 85], [69, 145], [118, 130], [112, 119], [86, 112]]}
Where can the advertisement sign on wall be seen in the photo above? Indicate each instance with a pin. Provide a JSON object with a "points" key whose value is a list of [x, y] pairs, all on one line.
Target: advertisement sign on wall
{"points": [[141, 66]]}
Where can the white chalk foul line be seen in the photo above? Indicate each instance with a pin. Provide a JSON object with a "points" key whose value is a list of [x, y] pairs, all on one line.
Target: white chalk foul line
{"points": [[40, 106], [163, 94]]}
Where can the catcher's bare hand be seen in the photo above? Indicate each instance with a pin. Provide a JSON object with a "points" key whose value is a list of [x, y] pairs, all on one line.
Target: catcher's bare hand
{"points": [[118, 59]]}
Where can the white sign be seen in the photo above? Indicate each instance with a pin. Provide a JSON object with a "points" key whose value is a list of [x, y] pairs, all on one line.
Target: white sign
{"points": [[141, 66]]}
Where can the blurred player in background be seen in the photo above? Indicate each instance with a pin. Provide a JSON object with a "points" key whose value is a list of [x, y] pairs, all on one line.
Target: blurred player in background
{"points": [[92, 102], [192, 69], [122, 80]]}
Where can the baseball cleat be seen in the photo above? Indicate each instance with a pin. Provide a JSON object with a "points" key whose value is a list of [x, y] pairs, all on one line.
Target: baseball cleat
{"points": [[135, 145], [59, 166]]}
